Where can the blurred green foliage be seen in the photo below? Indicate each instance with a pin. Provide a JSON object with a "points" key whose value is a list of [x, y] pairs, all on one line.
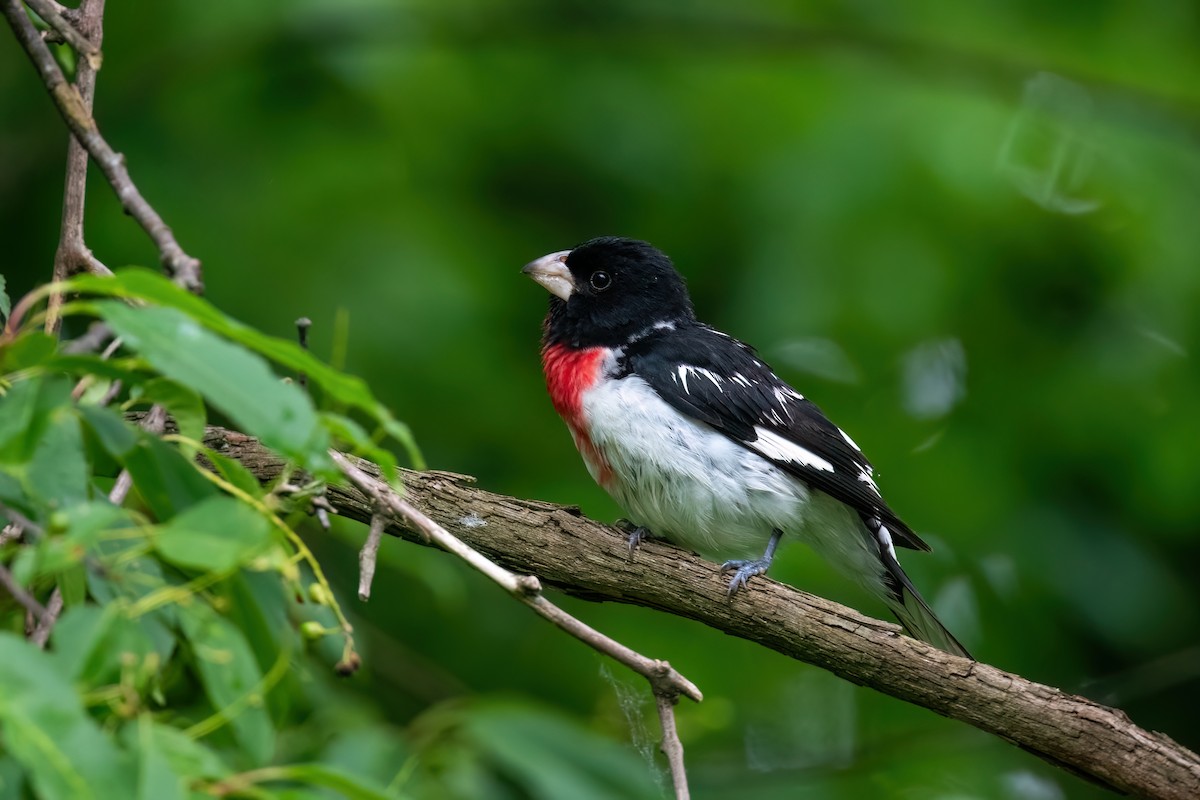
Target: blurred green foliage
{"points": [[967, 231]]}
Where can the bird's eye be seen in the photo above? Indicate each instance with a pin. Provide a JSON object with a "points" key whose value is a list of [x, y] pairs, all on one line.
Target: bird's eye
{"points": [[600, 280]]}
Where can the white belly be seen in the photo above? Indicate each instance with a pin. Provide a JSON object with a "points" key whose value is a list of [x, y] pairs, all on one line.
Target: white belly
{"points": [[692, 485]]}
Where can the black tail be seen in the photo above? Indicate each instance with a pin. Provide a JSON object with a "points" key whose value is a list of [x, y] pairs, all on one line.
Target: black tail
{"points": [[906, 602]]}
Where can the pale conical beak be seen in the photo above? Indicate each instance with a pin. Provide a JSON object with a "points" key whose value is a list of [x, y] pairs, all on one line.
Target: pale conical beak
{"points": [[552, 273]]}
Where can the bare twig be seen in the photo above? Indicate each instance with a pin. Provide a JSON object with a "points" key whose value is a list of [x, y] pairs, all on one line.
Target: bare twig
{"points": [[12, 532], [183, 268], [30, 603], [367, 556], [97, 336], [591, 561], [665, 682], [41, 634], [72, 254], [18, 524], [84, 43], [672, 748]]}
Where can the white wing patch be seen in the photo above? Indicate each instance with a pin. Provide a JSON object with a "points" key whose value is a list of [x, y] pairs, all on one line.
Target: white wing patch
{"points": [[682, 373], [774, 446], [785, 394], [865, 476], [849, 441], [885, 539], [685, 369]]}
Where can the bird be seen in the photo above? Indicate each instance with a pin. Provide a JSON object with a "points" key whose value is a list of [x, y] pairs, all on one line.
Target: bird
{"points": [[699, 441]]}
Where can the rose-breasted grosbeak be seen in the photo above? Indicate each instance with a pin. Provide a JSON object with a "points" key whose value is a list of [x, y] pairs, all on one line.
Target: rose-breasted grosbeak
{"points": [[698, 440]]}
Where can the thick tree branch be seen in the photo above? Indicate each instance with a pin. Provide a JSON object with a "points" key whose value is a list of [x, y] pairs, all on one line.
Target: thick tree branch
{"points": [[183, 269], [592, 561]]}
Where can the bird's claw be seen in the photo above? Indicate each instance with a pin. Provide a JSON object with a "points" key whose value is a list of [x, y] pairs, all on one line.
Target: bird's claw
{"points": [[637, 533], [743, 571]]}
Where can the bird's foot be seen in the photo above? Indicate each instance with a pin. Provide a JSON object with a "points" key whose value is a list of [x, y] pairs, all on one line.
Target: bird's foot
{"points": [[637, 533], [743, 571]]}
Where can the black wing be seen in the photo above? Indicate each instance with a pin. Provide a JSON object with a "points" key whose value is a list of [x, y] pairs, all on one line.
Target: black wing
{"points": [[718, 380]]}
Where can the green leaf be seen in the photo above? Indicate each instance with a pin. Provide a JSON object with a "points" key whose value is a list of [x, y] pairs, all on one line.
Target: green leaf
{"points": [[127, 575], [26, 412], [235, 473], [16, 413], [186, 756], [185, 405], [5, 303], [345, 389], [345, 785], [73, 583], [28, 350], [93, 643], [75, 533], [551, 757], [215, 535], [116, 435], [234, 380], [166, 480], [231, 678], [157, 779], [58, 471], [46, 728]]}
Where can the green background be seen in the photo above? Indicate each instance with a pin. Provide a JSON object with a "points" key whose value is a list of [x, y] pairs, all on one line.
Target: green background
{"points": [[968, 231]]}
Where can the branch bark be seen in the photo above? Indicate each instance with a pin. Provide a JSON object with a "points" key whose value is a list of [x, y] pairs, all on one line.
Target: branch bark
{"points": [[589, 560]]}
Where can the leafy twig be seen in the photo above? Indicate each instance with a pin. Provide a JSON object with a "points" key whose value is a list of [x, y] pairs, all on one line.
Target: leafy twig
{"points": [[665, 682]]}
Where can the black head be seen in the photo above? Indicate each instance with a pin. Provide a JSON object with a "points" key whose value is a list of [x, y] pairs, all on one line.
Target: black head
{"points": [[607, 290]]}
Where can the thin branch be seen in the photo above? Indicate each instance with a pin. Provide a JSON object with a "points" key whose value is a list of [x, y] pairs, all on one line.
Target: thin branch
{"points": [[182, 268], [41, 634], [97, 336], [30, 603], [18, 524], [592, 561], [672, 748], [72, 255], [368, 555], [85, 45], [665, 682]]}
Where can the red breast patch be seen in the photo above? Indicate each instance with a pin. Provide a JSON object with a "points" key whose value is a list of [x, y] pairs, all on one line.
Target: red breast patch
{"points": [[570, 373]]}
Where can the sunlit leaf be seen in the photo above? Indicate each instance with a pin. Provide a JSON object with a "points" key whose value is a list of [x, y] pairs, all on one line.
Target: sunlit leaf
{"points": [[342, 388], [234, 380]]}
